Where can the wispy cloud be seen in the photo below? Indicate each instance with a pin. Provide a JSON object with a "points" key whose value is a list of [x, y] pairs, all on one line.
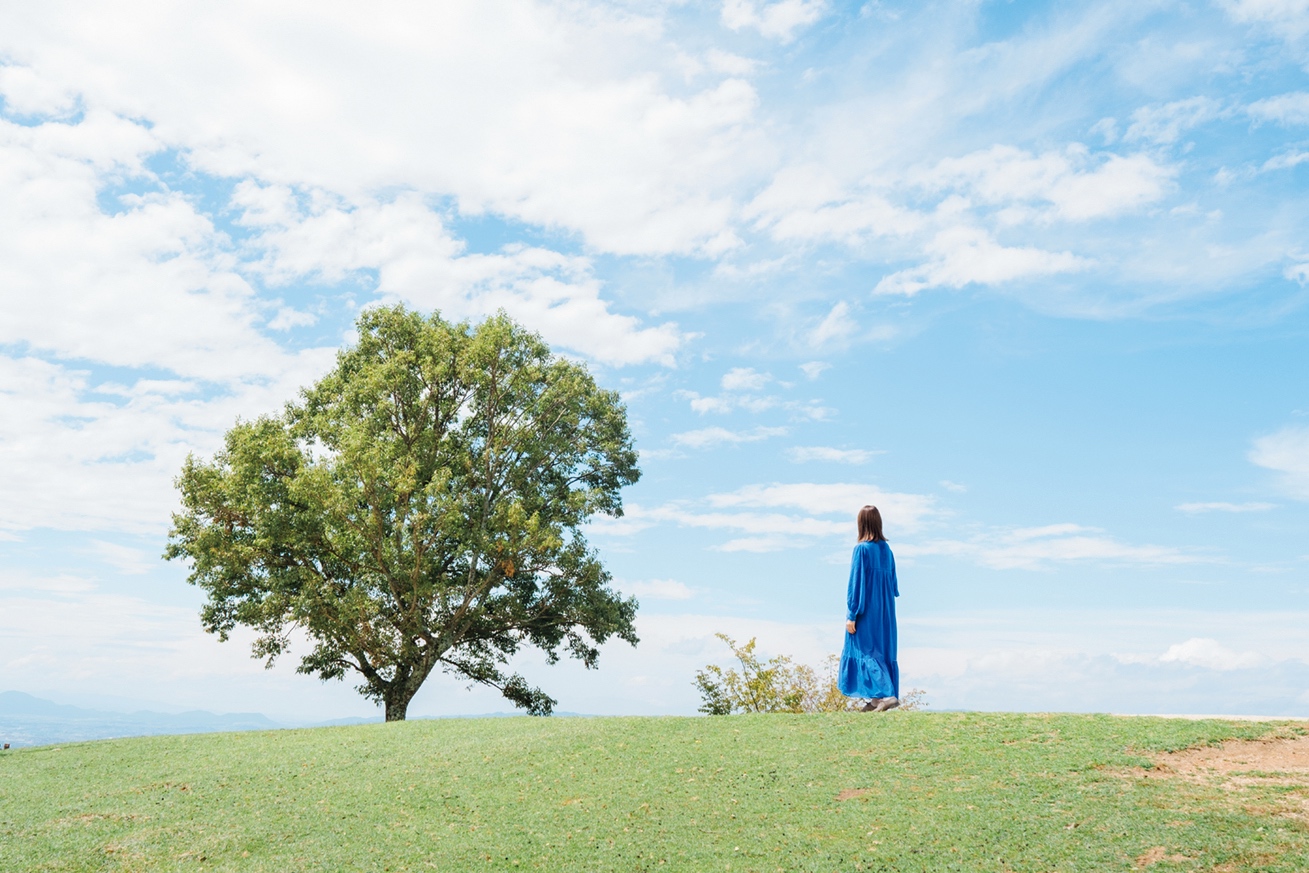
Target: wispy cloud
{"points": [[124, 558], [1073, 184], [837, 327], [418, 260], [708, 437], [814, 369], [1219, 506], [1167, 122], [1287, 453], [744, 379], [964, 256], [900, 511], [804, 454], [778, 20], [1292, 108], [740, 386], [1210, 654], [1041, 548], [817, 512], [1288, 19]]}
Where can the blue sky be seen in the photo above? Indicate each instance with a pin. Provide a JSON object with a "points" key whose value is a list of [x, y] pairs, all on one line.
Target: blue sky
{"points": [[1032, 277]]}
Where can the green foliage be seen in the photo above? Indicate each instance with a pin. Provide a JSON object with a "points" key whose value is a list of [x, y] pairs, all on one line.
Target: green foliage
{"points": [[418, 509], [778, 685], [968, 792]]}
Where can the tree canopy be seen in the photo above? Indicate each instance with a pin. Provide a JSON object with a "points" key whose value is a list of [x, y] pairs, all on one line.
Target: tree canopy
{"points": [[418, 508]]}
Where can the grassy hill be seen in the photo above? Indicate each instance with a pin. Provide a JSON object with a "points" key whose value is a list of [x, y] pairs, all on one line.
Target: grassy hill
{"points": [[902, 791]]}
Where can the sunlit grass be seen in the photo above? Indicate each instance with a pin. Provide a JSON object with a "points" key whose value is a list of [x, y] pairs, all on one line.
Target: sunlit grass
{"points": [[925, 791]]}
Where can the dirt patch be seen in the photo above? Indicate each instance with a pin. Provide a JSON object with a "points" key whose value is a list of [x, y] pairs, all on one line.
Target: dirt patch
{"points": [[851, 793], [1157, 854], [1241, 768], [1285, 759]]}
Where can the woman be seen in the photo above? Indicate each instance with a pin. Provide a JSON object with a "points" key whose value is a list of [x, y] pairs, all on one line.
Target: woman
{"points": [[868, 665]]}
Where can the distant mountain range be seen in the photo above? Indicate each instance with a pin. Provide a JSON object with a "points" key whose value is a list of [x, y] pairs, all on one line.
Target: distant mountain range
{"points": [[30, 721]]}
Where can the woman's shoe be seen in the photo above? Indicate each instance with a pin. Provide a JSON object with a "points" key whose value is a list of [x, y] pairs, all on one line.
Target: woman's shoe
{"points": [[870, 706], [887, 703]]}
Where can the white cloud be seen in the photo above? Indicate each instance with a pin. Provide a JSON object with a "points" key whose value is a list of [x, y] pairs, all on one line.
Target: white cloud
{"points": [[1287, 18], [1210, 654], [1167, 122], [1040, 548], [657, 589], [1286, 452], [1292, 108], [835, 328], [768, 531], [714, 436], [418, 261], [774, 531], [744, 379], [1298, 272], [805, 203], [964, 255], [63, 585], [707, 404], [569, 124], [813, 369], [1076, 184], [288, 318], [125, 559], [60, 637], [149, 285], [1219, 506], [778, 20], [727, 402], [905, 512], [808, 203], [732, 65], [760, 545], [1285, 161], [740, 386], [26, 93], [953, 486], [782, 529], [78, 454], [803, 454]]}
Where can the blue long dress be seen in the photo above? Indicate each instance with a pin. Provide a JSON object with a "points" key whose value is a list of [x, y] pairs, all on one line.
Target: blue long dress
{"points": [[868, 659]]}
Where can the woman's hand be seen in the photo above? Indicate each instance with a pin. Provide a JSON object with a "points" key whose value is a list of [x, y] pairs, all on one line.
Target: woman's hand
{"points": [[849, 627]]}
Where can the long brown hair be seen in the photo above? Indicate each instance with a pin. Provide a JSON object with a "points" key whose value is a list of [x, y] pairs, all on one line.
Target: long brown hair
{"points": [[870, 525]]}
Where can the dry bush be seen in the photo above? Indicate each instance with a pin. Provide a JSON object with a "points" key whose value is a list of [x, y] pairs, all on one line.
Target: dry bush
{"points": [[779, 685]]}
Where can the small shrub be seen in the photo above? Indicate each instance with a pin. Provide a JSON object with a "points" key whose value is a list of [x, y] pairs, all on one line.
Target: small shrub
{"points": [[913, 699], [779, 685]]}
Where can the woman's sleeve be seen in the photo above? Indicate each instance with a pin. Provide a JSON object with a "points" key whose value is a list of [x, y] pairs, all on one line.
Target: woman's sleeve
{"points": [[854, 597], [895, 583]]}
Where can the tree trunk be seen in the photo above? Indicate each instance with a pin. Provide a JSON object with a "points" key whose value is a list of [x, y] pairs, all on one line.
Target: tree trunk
{"points": [[401, 689], [397, 704]]}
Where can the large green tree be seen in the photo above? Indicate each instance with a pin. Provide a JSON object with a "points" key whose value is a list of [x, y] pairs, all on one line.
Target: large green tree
{"points": [[418, 508]]}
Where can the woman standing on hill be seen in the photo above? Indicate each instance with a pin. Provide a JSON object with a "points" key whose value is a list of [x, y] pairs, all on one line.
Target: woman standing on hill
{"points": [[868, 666]]}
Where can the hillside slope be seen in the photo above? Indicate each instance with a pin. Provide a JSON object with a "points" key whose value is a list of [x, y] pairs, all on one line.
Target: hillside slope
{"points": [[903, 791]]}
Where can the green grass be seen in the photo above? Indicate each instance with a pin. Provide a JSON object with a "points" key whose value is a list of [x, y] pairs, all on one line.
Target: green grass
{"points": [[944, 791]]}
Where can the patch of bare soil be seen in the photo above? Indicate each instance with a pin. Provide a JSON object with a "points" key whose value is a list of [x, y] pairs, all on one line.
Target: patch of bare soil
{"points": [[1157, 854], [851, 793], [1285, 759], [1241, 767]]}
